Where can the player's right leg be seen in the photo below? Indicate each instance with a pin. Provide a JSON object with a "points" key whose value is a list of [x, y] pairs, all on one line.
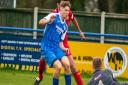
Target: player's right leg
{"points": [[66, 65], [52, 61], [57, 66], [42, 66]]}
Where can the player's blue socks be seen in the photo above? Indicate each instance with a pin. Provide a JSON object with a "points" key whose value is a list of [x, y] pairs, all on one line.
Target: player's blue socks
{"points": [[67, 79], [55, 81]]}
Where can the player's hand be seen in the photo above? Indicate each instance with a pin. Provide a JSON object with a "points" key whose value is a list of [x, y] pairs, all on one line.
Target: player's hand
{"points": [[66, 50], [82, 36], [52, 18]]}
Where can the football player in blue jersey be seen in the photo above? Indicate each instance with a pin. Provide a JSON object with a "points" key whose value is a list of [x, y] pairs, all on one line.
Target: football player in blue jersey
{"points": [[52, 49]]}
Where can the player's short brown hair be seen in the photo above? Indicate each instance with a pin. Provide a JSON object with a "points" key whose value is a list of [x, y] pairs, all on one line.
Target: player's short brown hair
{"points": [[58, 1], [97, 63], [65, 3]]}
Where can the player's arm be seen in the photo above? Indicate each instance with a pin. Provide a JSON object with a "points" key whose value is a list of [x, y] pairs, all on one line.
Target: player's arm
{"points": [[61, 43], [74, 21], [48, 19], [63, 48]]}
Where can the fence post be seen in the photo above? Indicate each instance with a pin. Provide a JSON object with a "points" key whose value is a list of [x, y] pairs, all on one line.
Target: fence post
{"points": [[102, 29], [35, 22], [14, 3]]}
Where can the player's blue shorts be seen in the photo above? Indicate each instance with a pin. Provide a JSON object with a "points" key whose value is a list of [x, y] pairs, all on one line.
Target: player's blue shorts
{"points": [[52, 55]]}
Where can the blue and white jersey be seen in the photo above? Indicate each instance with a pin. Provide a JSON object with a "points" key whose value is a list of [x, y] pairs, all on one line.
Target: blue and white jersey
{"points": [[54, 32]]}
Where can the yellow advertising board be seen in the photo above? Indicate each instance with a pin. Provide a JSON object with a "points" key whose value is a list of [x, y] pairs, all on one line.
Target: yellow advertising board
{"points": [[114, 56]]}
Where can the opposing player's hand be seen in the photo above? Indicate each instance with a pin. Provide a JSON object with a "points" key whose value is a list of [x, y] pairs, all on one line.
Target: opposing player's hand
{"points": [[82, 35]]}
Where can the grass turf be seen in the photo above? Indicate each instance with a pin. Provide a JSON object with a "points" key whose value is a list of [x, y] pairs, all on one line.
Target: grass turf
{"points": [[14, 77]]}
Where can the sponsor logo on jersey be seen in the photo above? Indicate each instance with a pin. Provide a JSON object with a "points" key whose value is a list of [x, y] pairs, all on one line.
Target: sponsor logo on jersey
{"points": [[59, 30]]}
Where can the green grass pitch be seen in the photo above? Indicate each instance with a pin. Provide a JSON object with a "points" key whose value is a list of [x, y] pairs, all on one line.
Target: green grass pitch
{"points": [[14, 77]]}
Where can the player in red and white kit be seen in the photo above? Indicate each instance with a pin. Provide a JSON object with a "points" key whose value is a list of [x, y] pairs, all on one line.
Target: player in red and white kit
{"points": [[42, 64]]}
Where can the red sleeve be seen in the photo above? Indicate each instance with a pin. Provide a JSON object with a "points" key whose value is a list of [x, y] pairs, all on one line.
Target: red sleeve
{"points": [[70, 18], [55, 10]]}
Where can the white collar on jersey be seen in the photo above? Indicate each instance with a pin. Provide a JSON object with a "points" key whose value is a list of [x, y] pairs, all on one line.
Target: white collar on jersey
{"points": [[61, 18]]}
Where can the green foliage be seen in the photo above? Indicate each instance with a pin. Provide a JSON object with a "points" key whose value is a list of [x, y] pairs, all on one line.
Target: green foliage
{"points": [[121, 6]]}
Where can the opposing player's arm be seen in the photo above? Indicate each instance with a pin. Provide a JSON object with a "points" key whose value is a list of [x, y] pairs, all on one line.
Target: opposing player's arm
{"points": [[78, 27], [48, 19]]}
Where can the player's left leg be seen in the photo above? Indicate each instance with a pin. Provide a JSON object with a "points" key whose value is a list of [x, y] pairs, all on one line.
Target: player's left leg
{"points": [[42, 66], [65, 62], [74, 70]]}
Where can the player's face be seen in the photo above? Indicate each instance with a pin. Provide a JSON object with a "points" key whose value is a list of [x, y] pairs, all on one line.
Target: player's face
{"points": [[65, 12], [58, 5]]}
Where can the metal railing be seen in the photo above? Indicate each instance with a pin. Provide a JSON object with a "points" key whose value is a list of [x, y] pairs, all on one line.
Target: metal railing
{"points": [[87, 34]]}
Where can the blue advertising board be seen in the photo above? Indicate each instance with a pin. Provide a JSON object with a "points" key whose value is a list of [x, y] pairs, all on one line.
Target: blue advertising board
{"points": [[23, 52]]}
